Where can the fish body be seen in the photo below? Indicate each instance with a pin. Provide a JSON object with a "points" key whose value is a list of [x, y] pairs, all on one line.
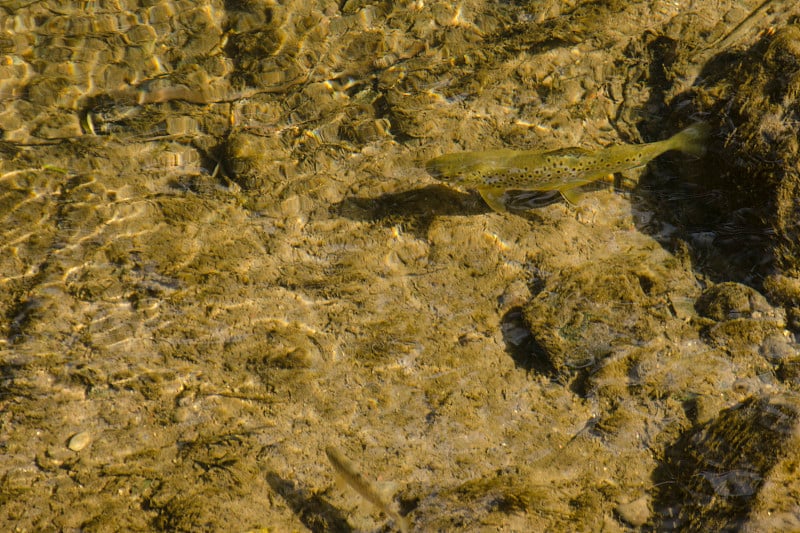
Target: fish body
{"points": [[495, 171]]}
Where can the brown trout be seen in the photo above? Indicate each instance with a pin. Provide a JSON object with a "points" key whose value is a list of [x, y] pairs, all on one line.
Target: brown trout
{"points": [[495, 171]]}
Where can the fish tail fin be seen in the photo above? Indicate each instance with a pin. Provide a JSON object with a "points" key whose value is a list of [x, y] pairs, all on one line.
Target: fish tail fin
{"points": [[692, 140]]}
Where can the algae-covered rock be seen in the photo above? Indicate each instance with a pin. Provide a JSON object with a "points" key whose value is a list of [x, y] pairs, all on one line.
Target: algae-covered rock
{"points": [[713, 476], [785, 290], [731, 300], [583, 314], [743, 322]]}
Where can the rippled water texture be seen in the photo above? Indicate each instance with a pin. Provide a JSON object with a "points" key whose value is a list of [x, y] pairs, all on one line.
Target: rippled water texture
{"points": [[220, 254]]}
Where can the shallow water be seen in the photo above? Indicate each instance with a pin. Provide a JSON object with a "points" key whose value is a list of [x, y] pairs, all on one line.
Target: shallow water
{"points": [[221, 254]]}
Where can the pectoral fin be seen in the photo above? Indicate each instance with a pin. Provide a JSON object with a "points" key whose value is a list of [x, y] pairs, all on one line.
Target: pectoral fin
{"points": [[494, 197], [572, 196]]}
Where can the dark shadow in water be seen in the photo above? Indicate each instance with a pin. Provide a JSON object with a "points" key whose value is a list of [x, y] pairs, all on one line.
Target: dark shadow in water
{"points": [[525, 203], [416, 209], [523, 348], [429, 201], [313, 510]]}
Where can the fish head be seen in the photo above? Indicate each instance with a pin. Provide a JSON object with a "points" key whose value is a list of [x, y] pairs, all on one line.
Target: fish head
{"points": [[461, 169]]}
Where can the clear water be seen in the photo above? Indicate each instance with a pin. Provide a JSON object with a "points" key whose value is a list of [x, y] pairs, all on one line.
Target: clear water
{"points": [[221, 253]]}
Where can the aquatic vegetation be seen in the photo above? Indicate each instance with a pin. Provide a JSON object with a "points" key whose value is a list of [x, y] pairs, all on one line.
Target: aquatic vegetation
{"points": [[565, 170]]}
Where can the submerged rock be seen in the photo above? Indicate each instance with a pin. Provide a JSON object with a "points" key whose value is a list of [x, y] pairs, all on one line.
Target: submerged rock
{"points": [[636, 513], [79, 441]]}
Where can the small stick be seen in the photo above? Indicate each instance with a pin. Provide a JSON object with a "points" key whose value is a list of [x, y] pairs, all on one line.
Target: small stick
{"points": [[364, 487]]}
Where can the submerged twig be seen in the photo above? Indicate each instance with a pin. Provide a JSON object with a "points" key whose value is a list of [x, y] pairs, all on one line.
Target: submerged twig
{"points": [[752, 20], [347, 471]]}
